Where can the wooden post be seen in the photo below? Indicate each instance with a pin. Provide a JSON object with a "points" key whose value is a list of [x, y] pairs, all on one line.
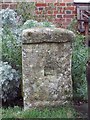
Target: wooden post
{"points": [[86, 28], [88, 84], [88, 77]]}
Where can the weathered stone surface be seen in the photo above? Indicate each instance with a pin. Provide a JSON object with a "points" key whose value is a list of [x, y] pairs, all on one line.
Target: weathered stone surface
{"points": [[46, 66], [40, 35]]}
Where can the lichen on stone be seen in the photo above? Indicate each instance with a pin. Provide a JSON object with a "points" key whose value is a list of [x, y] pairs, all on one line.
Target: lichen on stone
{"points": [[46, 65]]}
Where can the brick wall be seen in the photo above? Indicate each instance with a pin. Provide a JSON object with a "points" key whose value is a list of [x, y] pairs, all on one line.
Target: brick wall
{"points": [[60, 12]]}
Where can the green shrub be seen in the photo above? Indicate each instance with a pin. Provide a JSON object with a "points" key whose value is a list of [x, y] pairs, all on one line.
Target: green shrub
{"points": [[79, 59], [34, 23], [8, 17], [73, 26], [10, 82], [10, 41], [11, 50], [26, 10], [11, 38]]}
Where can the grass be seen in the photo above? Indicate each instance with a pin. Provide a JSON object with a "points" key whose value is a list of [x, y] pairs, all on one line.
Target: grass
{"points": [[56, 112]]}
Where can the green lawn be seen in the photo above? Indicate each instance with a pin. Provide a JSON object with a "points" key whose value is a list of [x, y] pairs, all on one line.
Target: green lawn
{"points": [[58, 112]]}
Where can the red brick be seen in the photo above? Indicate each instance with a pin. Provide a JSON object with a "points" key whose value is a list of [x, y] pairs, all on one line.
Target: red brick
{"points": [[38, 12], [5, 5], [74, 12], [50, 12], [46, 8], [47, 4], [13, 6], [55, 12], [62, 4], [0, 6], [57, 4], [62, 11], [68, 1], [68, 19], [70, 8], [54, 8], [68, 16], [58, 19], [40, 4]]}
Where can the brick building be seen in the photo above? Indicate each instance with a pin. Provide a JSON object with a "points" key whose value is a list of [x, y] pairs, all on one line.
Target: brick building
{"points": [[60, 12]]}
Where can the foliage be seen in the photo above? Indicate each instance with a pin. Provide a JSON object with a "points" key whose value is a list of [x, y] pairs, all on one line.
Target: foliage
{"points": [[33, 23], [73, 26], [9, 17], [11, 49], [9, 82], [11, 21], [79, 59], [26, 10], [11, 37], [59, 112]]}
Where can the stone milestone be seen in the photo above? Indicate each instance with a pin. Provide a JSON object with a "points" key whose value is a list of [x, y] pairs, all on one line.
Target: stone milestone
{"points": [[46, 66]]}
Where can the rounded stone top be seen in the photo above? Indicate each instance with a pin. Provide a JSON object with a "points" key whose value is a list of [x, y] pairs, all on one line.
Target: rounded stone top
{"points": [[47, 35]]}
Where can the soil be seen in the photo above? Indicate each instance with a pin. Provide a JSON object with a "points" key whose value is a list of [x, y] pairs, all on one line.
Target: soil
{"points": [[82, 109], [16, 102]]}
